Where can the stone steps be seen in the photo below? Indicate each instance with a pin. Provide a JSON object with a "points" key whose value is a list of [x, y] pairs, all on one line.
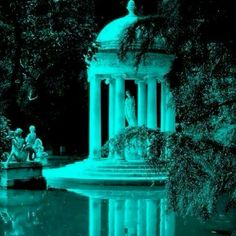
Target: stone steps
{"points": [[106, 171], [127, 165], [104, 175], [114, 172]]}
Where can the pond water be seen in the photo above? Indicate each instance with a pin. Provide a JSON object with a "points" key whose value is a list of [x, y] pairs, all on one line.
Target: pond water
{"points": [[93, 212]]}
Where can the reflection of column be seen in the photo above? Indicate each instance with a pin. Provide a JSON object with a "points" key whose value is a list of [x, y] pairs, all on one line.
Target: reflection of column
{"points": [[142, 102], [131, 217], [94, 118], [152, 103], [119, 104], [141, 218], [151, 218], [119, 218], [167, 220], [111, 108], [94, 217], [111, 215]]}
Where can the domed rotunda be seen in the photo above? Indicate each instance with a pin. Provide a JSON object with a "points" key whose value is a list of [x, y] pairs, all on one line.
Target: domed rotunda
{"points": [[106, 67]]}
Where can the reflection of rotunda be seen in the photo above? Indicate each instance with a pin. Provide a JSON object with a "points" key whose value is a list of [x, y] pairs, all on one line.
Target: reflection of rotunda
{"points": [[106, 67], [139, 211]]}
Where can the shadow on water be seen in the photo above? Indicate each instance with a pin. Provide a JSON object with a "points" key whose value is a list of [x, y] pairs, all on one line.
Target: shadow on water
{"points": [[93, 211]]}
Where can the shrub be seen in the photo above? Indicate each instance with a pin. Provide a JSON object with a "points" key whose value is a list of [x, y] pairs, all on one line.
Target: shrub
{"points": [[5, 141], [200, 173], [148, 142]]}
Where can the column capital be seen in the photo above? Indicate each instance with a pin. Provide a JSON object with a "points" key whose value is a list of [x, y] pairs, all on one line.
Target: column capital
{"points": [[109, 79], [150, 77], [96, 77], [119, 76], [158, 78], [140, 81]]}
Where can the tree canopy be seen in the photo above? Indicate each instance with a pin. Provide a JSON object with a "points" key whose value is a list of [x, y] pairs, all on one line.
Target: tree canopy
{"points": [[202, 79], [42, 48]]}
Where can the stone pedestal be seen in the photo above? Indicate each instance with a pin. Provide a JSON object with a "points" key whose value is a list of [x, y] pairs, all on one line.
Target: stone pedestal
{"points": [[24, 175]]}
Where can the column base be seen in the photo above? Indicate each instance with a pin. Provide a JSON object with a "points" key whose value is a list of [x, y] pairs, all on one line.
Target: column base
{"points": [[93, 158], [118, 157]]}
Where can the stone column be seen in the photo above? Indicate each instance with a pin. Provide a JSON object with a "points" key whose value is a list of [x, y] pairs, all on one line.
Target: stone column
{"points": [[111, 112], [119, 229], [111, 108], [94, 217], [151, 218], [119, 108], [142, 102], [152, 103], [119, 103], [94, 118], [141, 226], [163, 106], [170, 110]]}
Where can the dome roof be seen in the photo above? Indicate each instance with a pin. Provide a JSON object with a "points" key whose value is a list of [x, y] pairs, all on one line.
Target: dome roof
{"points": [[112, 33], [115, 29]]}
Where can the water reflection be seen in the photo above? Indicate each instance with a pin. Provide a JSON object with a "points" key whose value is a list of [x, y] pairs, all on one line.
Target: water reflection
{"points": [[92, 212], [130, 211]]}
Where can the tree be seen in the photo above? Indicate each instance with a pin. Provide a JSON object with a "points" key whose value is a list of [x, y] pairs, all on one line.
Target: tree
{"points": [[202, 80], [43, 45]]}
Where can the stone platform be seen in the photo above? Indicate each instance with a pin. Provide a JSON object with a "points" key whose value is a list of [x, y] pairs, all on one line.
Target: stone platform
{"points": [[104, 172], [24, 175]]}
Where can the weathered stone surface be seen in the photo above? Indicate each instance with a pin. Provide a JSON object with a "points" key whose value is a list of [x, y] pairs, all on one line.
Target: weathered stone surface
{"points": [[18, 175]]}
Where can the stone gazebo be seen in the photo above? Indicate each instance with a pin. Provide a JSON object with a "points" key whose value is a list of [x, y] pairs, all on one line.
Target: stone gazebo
{"points": [[106, 67]]}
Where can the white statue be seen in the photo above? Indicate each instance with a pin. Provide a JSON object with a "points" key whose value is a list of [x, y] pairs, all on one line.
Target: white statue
{"points": [[30, 148], [18, 151], [41, 155], [130, 110], [34, 145], [31, 137]]}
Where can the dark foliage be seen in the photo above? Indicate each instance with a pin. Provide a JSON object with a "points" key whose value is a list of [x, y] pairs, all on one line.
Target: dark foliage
{"points": [[202, 79], [42, 48], [5, 140]]}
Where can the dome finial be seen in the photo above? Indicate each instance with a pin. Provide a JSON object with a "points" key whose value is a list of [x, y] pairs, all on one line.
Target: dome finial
{"points": [[131, 7]]}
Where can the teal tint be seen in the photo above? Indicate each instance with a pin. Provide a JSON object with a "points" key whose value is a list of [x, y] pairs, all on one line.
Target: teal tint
{"points": [[106, 67], [93, 212], [114, 30]]}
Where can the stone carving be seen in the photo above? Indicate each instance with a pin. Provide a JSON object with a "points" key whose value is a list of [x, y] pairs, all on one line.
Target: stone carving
{"points": [[18, 151], [30, 148], [130, 113], [29, 142], [39, 149], [34, 145]]}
